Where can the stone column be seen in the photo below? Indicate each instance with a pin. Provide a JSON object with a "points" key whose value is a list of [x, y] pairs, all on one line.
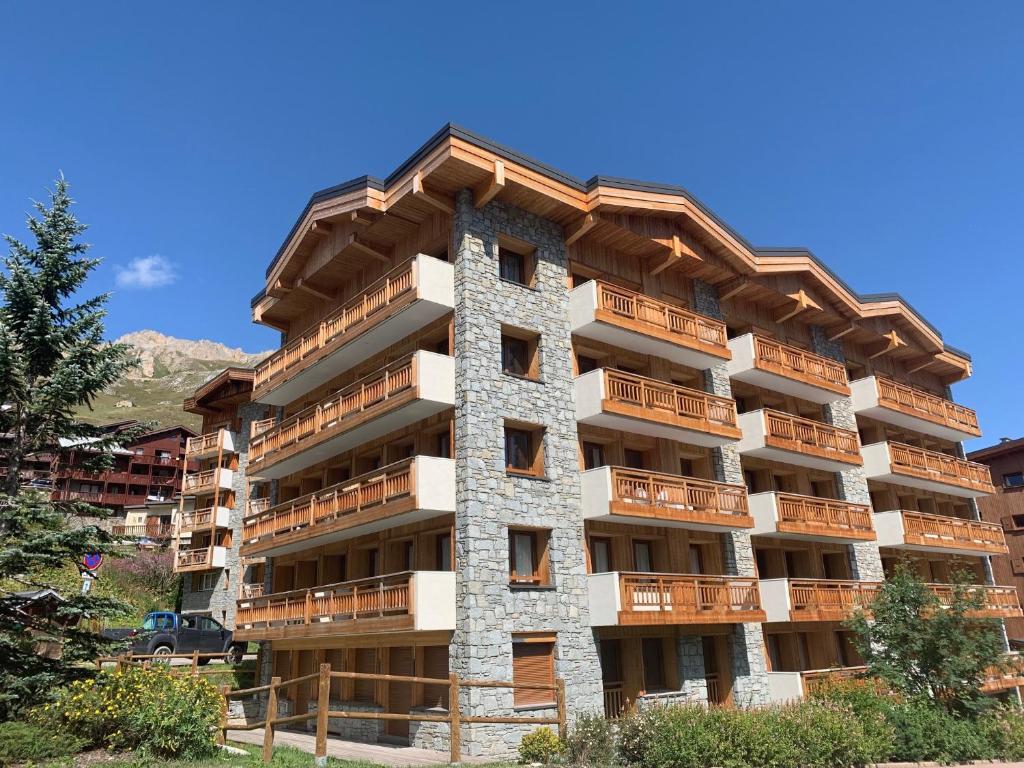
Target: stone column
{"points": [[488, 500], [746, 643], [865, 561]]}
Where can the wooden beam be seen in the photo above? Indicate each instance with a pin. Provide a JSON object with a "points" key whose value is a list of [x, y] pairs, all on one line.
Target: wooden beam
{"points": [[732, 289], [420, 193], [803, 302], [921, 365], [579, 228], [279, 288], [320, 229], [301, 285], [356, 243], [363, 218], [893, 342], [842, 332], [487, 191], [678, 252]]}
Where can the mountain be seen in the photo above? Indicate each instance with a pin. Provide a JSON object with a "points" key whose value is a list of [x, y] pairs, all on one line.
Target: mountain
{"points": [[169, 370]]}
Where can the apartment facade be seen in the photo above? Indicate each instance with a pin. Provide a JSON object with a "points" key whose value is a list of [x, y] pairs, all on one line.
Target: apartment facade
{"points": [[526, 427]]}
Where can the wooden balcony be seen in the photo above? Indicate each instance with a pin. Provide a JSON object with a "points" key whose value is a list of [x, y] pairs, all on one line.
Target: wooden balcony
{"points": [[1004, 677], [249, 591], [923, 532], [157, 532], [205, 519], [654, 498], [785, 687], [815, 599], [911, 408], [207, 446], [618, 400], [402, 393], [793, 516], [400, 493], [409, 297], [411, 601], [208, 481], [663, 598], [783, 368], [999, 602], [625, 318], [201, 559], [907, 465], [782, 437]]}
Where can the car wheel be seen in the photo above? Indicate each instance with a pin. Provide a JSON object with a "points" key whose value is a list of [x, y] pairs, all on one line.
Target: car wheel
{"points": [[204, 661], [234, 655], [162, 650]]}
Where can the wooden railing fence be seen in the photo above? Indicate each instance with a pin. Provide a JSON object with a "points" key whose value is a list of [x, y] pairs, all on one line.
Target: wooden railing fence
{"points": [[658, 314], [795, 362], [658, 396]]}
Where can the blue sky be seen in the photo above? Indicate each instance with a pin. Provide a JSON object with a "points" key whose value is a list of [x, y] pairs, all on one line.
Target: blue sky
{"points": [[886, 137]]}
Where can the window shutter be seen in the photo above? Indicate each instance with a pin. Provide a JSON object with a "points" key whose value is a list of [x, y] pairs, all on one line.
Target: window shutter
{"points": [[533, 664], [366, 662], [435, 665]]}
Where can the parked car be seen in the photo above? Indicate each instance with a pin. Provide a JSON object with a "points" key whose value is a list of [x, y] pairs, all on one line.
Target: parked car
{"points": [[164, 633]]}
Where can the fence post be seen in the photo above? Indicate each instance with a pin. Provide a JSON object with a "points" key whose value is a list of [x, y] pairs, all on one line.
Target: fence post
{"points": [[195, 661], [268, 721], [454, 718], [323, 705], [560, 700], [223, 735]]}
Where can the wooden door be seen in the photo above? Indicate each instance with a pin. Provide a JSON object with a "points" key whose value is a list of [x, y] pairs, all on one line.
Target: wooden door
{"points": [[401, 662]]}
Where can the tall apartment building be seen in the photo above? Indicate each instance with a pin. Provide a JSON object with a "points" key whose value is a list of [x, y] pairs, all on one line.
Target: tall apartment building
{"points": [[527, 427], [1005, 461]]}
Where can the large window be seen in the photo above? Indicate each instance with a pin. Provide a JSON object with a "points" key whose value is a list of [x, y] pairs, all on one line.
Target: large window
{"points": [[653, 652], [528, 557], [533, 663]]}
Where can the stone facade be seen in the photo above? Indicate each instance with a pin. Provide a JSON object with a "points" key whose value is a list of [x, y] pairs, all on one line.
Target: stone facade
{"points": [[488, 499]]}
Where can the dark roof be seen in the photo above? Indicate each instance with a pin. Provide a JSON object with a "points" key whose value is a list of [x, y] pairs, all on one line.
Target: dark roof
{"points": [[999, 449], [451, 130]]}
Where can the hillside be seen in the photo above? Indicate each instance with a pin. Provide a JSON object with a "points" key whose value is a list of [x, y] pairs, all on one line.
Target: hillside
{"points": [[170, 369]]}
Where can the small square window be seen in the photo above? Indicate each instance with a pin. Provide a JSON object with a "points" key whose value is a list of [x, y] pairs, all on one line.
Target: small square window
{"points": [[520, 354], [1013, 480], [528, 557], [524, 449], [516, 260]]}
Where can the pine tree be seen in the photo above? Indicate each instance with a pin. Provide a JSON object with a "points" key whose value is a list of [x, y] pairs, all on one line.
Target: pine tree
{"points": [[53, 361]]}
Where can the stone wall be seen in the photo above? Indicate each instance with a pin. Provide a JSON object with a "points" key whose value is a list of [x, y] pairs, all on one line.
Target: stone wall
{"points": [[488, 500]]}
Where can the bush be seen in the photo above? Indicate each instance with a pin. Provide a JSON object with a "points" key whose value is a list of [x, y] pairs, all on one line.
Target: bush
{"points": [[540, 746], [23, 742], [590, 741], [1003, 728], [149, 710]]}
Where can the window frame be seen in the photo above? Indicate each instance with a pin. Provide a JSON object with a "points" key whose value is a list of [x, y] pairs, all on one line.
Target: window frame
{"points": [[538, 540], [531, 351], [525, 253], [532, 645], [534, 448]]}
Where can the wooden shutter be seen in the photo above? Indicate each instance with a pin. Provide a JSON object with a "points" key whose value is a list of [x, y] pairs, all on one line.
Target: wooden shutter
{"points": [[533, 663], [435, 665], [366, 661]]}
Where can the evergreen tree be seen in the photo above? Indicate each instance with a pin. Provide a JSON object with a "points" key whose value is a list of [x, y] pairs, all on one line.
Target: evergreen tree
{"points": [[53, 361], [920, 647]]}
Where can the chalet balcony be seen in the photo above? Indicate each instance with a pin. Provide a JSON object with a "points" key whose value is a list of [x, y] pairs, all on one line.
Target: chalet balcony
{"points": [[402, 393], [999, 602], [1005, 677], [783, 368], [618, 400], [907, 465], [815, 599], [810, 518], [201, 559], [153, 532], [653, 498], [778, 436], [205, 519], [207, 481], [911, 408], [923, 532], [398, 494], [624, 318], [406, 299], [207, 446], [401, 602], [663, 598], [785, 687]]}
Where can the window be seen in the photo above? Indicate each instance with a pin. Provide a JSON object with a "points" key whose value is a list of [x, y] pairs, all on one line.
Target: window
{"points": [[519, 352], [533, 663], [586, 364], [593, 455], [654, 664], [528, 557], [443, 552], [1013, 480], [207, 581], [516, 260], [642, 557], [611, 661], [600, 555], [443, 446], [634, 459], [523, 452]]}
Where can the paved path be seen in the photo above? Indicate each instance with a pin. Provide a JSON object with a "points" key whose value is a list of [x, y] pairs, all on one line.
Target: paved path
{"points": [[385, 754]]}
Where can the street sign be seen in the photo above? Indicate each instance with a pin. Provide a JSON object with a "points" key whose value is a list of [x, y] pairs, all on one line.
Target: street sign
{"points": [[92, 562]]}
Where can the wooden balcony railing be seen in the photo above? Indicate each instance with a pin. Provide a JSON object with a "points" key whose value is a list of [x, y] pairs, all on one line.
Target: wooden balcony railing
{"points": [[659, 598], [87, 497], [201, 482], [997, 601], [798, 364], [303, 428], [205, 443], [1010, 674], [249, 591], [796, 433], [394, 481], [829, 599], [814, 680], [940, 467], [939, 530], [657, 399], [158, 532], [644, 313], [654, 494], [810, 514], [614, 701], [194, 558], [200, 518], [352, 318], [257, 506], [371, 598], [917, 402]]}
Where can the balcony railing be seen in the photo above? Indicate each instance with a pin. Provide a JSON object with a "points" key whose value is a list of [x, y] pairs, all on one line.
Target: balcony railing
{"points": [[654, 494], [795, 433], [811, 514], [829, 599], [932, 465], [658, 598], [249, 591], [645, 311], [84, 496], [925, 405], [940, 530], [144, 531], [614, 701], [999, 602], [657, 399], [206, 481], [203, 518], [1006, 676], [344, 406], [814, 680], [194, 558], [209, 443], [365, 491], [795, 363], [372, 598]]}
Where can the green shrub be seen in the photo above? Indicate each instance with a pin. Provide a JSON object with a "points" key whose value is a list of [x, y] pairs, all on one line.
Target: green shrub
{"points": [[590, 741], [149, 710], [1003, 729], [24, 742], [926, 731], [872, 709], [540, 746]]}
